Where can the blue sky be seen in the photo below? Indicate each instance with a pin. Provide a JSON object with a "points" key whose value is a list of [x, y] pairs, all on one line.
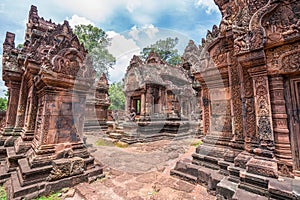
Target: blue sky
{"points": [[132, 24]]}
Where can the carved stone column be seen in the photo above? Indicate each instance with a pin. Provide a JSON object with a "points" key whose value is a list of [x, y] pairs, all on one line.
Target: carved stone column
{"points": [[148, 101], [143, 102], [236, 106], [263, 111], [127, 104], [22, 106], [249, 125], [206, 110], [24, 142], [11, 113], [263, 164], [280, 125]]}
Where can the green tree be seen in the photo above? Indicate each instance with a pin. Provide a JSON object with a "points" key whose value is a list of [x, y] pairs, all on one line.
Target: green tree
{"points": [[166, 50], [117, 97], [3, 101], [96, 41]]}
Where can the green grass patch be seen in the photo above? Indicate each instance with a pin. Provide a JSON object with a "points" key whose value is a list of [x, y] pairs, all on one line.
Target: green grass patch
{"points": [[2, 193], [197, 143], [102, 142], [121, 144], [54, 196]]}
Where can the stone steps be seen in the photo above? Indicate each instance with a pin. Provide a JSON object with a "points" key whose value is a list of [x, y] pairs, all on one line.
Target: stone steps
{"points": [[4, 174], [32, 182], [12, 158], [244, 186], [3, 153]]}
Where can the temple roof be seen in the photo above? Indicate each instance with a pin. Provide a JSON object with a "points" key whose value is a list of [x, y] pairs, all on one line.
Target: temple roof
{"points": [[156, 72]]}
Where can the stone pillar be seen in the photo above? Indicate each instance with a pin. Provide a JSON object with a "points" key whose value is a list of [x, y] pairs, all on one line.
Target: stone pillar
{"points": [[127, 104], [264, 125], [263, 164], [143, 102], [24, 142], [280, 126], [249, 125], [236, 106], [205, 110], [11, 113], [22, 106], [149, 101]]}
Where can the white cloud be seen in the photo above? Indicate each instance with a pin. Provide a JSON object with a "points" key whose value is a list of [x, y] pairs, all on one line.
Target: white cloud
{"points": [[76, 20], [132, 5], [141, 11], [150, 30], [123, 50], [209, 5], [134, 33]]}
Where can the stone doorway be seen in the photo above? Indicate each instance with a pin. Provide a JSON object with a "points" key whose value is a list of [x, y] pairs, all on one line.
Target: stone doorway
{"points": [[136, 104], [293, 106]]}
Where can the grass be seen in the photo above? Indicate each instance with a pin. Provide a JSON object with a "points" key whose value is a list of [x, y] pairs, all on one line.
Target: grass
{"points": [[2, 193], [197, 143], [121, 144], [102, 142], [54, 196]]}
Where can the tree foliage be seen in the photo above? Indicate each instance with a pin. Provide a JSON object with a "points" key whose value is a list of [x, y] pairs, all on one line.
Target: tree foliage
{"points": [[96, 41], [3, 101], [117, 97], [166, 50]]}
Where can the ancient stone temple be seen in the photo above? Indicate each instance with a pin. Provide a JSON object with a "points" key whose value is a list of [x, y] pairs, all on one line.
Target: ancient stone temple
{"points": [[249, 77], [162, 98], [97, 103], [48, 81]]}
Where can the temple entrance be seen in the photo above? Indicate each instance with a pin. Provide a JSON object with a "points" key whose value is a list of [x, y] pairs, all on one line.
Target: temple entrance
{"points": [[293, 99], [136, 104]]}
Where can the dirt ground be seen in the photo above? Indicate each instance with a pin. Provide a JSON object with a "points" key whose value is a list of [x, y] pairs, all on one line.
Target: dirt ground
{"points": [[140, 171]]}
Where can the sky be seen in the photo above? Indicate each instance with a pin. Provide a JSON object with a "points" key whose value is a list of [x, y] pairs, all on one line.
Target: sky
{"points": [[131, 24]]}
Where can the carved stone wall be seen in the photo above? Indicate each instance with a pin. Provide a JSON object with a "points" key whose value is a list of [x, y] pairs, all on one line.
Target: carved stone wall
{"points": [[261, 40], [48, 81]]}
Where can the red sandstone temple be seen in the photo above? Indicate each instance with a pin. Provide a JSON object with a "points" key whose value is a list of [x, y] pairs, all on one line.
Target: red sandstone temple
{"points": [[248, 69], [48, 82], [163, 98]]}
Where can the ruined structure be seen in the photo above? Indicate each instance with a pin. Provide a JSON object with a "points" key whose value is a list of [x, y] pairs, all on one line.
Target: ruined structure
{"points": [[162, 97], [249, 77], [48, 81], [97, 103]]}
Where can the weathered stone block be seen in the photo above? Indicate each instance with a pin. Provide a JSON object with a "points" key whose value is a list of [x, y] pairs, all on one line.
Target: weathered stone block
{"points": [[262, 166], [66, 167]]}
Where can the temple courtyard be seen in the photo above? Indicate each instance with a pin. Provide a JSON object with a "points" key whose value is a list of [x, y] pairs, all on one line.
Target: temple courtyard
{"points": [[140, 171]]}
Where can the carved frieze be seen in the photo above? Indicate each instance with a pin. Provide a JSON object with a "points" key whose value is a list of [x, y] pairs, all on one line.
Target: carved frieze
{"points": [[284, 61]]}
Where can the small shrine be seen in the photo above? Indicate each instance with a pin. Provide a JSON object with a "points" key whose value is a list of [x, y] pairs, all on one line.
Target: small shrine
{"points": [[48, 81]]}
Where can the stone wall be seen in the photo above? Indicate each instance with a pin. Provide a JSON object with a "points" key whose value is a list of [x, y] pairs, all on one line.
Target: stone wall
{"points": [[248, 68]]}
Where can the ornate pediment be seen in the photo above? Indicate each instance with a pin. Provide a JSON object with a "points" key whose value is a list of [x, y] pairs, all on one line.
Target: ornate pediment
{"points": [[283, 22]]}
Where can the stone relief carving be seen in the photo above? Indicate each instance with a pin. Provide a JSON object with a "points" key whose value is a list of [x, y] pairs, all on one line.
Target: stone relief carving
{"points": [[283, 21], [66, 167], [263, 108]]}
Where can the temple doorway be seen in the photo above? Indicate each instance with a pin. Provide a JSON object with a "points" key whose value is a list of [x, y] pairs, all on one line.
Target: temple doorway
{"points": [[293, 106], [136, 104]]}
